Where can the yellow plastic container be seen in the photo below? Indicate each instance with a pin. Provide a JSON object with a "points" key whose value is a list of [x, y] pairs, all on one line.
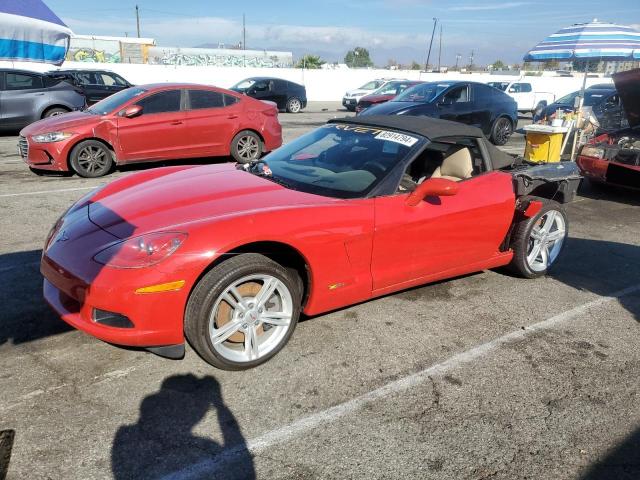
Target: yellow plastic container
{"points": [[543, 147], [544, 143]]}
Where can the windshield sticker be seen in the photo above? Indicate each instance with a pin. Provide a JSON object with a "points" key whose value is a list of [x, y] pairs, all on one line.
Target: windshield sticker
{"points": [[402, 139]]}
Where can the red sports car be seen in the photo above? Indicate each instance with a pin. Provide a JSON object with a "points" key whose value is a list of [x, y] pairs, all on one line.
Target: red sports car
{"points": [[385, 93], [614, 157], [228, 256], [152, 122]]}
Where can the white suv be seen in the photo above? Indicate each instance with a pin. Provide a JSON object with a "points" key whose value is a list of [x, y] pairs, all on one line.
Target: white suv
{"points": [[351, 98]]}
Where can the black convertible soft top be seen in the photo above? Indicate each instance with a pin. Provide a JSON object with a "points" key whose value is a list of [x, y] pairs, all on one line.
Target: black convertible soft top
{"points": [[432, 128]]}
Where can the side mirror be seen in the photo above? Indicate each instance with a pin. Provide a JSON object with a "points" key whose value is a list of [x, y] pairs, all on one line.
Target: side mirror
{"points": [[433, 187], [132, 111]]}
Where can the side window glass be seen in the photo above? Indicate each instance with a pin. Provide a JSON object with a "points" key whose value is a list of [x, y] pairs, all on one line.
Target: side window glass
{"points": [[161, 102], [108, 79], [229, 100], [20, 81], [526, 87], [458, 95], [261, 86], [205, 99]]}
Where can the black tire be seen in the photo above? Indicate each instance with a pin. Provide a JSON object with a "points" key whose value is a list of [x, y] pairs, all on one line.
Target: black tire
{"points": [[350, 109], [91, 159], [501, 131], [294, 105], [52, 112], [246, 147], [521, 241], [204, 296]]}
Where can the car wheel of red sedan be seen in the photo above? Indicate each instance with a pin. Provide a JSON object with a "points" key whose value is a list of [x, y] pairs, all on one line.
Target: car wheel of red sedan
{"points": [[246, 147], [538, 241], [243, 312], [91, 159]]}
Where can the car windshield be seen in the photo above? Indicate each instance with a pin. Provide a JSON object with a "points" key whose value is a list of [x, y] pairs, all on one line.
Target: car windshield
{"points": [[594, 97], [243, 85], [423, 93], [567, 99], [391, 88], [372, 85], [337, 160], [116, 100]]}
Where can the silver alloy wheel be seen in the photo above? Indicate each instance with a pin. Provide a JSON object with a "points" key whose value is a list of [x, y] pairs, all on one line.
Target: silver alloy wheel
{"points": [[92, 158], [56, 113], [545, 240], [294, 105], [248, 147], [250, 318]]}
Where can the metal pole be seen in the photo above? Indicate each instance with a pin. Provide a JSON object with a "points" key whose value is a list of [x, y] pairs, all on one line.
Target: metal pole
{"points": [[435, 22], [138, 20], [244, 33], [440, 49]]}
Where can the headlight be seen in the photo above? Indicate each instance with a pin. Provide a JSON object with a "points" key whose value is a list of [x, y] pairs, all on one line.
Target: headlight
{"points": [[142, 251], [51, 137], [590, 151]]}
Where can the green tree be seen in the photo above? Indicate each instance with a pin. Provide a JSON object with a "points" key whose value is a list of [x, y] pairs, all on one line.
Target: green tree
{"points": [[311, 62], [415, 65], [498, 65], [358, 58]]}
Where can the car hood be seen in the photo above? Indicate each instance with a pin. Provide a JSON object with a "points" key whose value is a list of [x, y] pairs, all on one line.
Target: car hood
{"points": [[377, 98], [358, 92], [390, 108], [58, 123], [627, 86], [175, 196]]}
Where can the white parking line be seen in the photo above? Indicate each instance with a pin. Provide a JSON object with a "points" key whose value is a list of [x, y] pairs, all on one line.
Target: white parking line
{"points": [[279, 435], [42, 192]]}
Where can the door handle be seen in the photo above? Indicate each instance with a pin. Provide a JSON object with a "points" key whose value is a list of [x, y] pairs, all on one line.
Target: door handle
{"points": [[231, 117], [177, 122]]}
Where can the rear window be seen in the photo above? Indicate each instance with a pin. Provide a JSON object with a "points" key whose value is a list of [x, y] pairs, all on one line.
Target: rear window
{"points": [[23, 81]]}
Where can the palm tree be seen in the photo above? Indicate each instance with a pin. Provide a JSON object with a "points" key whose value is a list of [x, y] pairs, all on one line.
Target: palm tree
{"points": [[310, 62]]}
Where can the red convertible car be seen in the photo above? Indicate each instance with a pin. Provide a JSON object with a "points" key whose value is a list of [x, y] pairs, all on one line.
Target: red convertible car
{"points": [[614, 157], [229, 256], [152, 122], [387, 92]]}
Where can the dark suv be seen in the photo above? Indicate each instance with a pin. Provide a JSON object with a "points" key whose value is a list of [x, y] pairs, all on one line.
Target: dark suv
{"points": [[287, 95], [96, 84], [29, 96]]}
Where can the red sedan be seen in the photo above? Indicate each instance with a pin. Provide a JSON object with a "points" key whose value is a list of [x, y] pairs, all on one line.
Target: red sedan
{"points": [[388, 91], [152, 122], [229, 257]]}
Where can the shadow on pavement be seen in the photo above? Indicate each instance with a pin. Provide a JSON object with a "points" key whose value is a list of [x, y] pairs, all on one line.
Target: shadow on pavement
{"points": [[622, 463], [162, 441], [601, 191], [601, 267], [25, 315]]}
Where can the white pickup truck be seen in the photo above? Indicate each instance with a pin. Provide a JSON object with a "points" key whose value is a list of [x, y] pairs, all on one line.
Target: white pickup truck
{"points": [[526, 96]]}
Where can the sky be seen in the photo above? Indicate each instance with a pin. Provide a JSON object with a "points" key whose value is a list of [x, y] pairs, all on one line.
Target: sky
{"points": [[397, 30]]}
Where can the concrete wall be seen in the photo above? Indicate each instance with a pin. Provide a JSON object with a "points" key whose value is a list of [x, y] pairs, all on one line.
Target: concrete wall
{"points": [[322, 85]]}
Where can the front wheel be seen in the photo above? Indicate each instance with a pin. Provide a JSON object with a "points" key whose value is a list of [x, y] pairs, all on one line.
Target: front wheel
{"points": [[91, 159], [243, 312], [54, 112], [501, 131], [294, 105], [538, 241], [246, 147]]}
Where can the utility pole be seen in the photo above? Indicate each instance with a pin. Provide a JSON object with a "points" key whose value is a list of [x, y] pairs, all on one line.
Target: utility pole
{"points": [[435, 22], [471, 61], [440, 49], [138, 20], [458, 57], [244, 33]]}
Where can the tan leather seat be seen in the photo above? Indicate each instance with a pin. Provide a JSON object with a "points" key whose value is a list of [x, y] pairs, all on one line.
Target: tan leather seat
{"points": [[456, 167]]}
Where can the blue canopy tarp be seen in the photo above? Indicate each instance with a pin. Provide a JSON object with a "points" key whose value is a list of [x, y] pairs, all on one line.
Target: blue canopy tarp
{"points": [[31, 32]]}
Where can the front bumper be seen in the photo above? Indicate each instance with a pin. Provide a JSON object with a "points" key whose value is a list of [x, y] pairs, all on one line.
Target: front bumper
{"points": [[44, 156], [349, 102]]}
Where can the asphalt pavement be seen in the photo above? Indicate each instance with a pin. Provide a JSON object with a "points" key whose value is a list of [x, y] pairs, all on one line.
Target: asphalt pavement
{"points": [[485, 376]]}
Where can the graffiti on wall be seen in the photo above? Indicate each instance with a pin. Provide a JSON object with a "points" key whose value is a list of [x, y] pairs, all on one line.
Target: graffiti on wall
{"points": [[93, 55], [219, 57]]}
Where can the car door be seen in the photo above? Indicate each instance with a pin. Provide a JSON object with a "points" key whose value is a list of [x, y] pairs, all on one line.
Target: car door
{"points": [[22, 97], [260, 90], [523, 94], [158, 132], [212, 119], [441, 236], [455, 104], [486, 102]]}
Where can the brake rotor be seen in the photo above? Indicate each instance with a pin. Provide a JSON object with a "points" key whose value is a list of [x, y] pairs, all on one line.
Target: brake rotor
{"points": [[225, 312]]}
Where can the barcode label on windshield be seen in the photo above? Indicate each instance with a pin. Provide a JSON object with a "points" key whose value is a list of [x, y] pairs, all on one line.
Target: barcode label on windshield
{"points": [[400, 138]]}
